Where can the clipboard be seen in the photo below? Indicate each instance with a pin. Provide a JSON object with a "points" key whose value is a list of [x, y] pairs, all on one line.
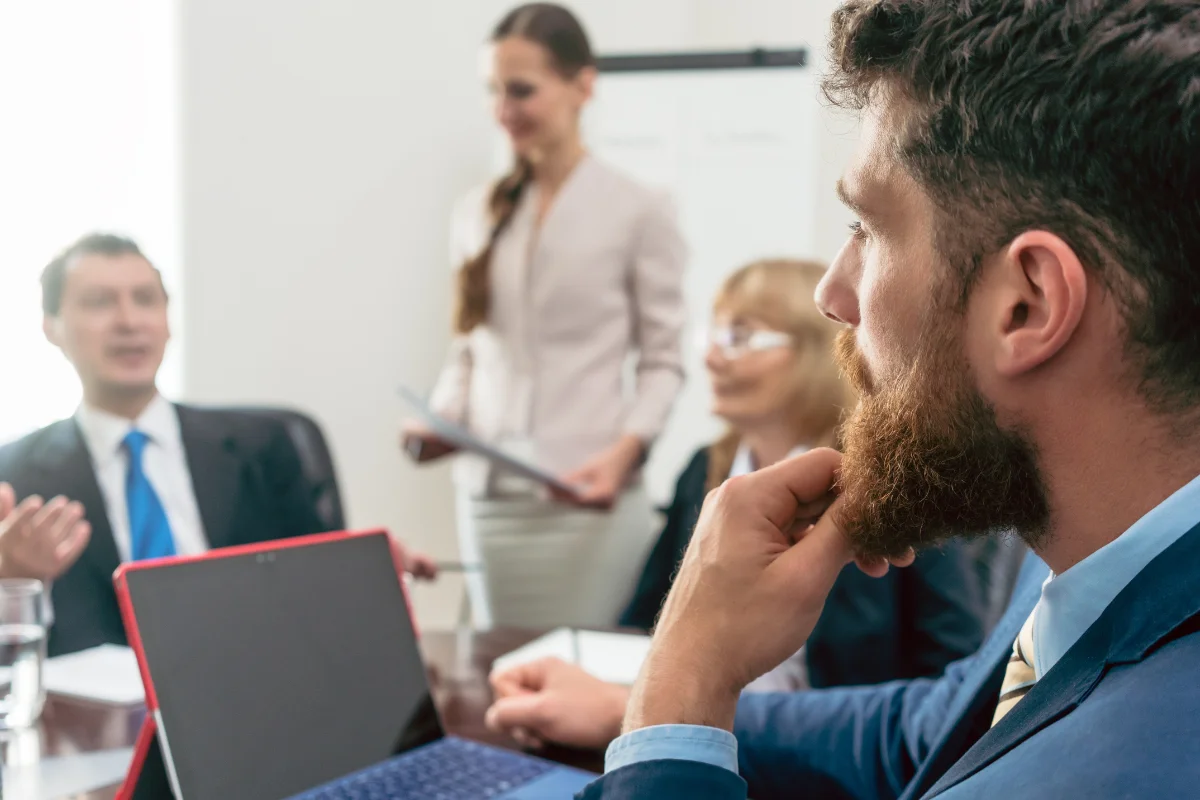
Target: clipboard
{"points": [[465, 440]]}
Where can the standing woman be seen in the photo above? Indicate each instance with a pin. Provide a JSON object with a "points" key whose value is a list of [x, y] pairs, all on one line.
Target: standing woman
{"points": [[566, 270]]}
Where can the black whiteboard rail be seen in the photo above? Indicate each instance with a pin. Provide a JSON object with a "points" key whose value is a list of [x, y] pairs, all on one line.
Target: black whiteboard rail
{"points": [[670, 62]]}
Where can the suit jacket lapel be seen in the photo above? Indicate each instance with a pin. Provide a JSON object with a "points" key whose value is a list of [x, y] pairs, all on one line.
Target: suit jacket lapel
{"points": [[1162, 597], [215, 464], [976, 699], [66, 462]]}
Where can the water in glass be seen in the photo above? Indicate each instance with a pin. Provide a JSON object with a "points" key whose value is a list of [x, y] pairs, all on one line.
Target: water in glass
{"points": [[22, 653]]}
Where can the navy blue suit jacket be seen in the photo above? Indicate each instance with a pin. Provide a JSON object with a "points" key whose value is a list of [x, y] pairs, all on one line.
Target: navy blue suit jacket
{"points": [[1117, 716]]}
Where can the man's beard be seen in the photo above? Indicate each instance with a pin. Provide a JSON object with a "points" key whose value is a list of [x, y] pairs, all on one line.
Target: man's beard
{"points": [[924, 458]]}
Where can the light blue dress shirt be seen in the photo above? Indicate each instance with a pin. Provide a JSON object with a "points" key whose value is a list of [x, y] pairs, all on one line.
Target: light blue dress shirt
{"points": [[1070, 603]]}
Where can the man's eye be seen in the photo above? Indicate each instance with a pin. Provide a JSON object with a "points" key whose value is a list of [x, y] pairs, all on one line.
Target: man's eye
{"points": [[520, 91], [856, 229], [96, 301]]}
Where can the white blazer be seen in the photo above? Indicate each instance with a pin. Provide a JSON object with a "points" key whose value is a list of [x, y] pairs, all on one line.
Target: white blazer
{"points": [[599, 282]]}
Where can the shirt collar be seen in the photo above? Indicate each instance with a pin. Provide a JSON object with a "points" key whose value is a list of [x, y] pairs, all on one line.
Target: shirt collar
{"points": [[1072, 601], [104, 432], [743, 460]]}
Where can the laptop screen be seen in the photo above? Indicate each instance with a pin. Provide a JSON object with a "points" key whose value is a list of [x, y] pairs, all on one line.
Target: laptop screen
{"points": [[281, 670]]}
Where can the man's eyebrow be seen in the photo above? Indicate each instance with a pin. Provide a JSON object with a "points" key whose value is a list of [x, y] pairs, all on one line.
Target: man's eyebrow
{"points": [[868, 199], [844, 195]]}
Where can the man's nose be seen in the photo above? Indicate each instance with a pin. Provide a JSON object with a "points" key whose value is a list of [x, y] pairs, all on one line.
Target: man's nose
{"points": [[837, 293]]}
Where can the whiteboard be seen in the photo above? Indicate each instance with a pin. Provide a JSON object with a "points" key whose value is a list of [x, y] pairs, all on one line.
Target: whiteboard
{"points": [[738, 151]]}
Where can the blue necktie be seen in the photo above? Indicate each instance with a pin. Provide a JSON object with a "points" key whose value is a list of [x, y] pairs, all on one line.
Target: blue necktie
{"points": [[149, 531]]}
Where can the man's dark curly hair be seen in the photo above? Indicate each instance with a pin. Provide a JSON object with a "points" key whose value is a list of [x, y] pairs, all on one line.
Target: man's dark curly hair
{"points": [[1080, 117]]}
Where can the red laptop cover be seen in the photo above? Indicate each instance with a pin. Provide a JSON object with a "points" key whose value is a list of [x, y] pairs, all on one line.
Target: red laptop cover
{"points": [[146, 775]]}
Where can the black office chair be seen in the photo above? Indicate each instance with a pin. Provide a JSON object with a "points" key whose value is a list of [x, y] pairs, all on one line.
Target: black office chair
{"points": [[316, 462]]}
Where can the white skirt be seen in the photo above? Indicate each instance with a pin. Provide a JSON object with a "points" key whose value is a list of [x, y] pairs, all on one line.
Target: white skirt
{"points": [[545, 564]]}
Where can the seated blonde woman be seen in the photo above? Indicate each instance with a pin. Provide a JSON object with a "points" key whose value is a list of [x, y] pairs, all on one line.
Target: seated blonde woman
{"points": [[770, 365]]}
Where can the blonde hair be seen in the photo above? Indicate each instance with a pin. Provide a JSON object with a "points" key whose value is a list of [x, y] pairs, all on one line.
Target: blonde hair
{"points": [[779, 293]]}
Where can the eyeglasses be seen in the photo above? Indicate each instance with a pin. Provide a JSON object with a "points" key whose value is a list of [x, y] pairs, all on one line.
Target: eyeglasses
{"points": [[735, 342]]}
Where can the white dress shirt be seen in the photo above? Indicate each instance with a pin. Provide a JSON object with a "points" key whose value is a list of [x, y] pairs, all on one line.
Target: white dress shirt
{"points": [[164, 462]]}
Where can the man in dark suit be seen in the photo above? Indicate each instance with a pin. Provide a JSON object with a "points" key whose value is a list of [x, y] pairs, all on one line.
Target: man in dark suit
{"points": [[1020, 296], [131, 475]]}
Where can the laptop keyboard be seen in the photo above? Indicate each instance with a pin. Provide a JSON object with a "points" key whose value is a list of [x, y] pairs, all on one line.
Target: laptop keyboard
{"points": [[448, 769]]}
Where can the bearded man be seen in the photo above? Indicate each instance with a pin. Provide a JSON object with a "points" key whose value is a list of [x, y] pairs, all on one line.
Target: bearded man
{"points": [[1021, 297]]}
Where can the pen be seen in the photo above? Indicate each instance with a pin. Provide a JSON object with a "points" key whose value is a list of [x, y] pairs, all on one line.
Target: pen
{"points": [[457, 566]]}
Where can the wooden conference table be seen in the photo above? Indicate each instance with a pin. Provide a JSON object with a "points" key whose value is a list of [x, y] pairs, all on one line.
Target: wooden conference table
{"points": [[458, 665]]}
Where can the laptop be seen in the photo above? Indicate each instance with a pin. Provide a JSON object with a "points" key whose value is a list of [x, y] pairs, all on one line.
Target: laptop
{"points": [[291, 669]]}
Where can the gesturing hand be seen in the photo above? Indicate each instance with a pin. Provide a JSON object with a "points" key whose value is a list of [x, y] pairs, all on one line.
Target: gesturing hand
{"points": [[39, 540]]}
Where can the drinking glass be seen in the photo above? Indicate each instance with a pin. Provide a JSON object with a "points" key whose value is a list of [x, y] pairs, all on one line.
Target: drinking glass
{"points": [[22, 652]]}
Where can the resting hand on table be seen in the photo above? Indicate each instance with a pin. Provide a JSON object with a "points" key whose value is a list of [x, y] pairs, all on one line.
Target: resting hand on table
{"points": [[751, 587], [602, 478], [39, 539], [549, 700]]}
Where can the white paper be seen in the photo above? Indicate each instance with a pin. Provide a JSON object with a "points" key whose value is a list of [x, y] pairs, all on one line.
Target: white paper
{"points": [[465, 440], [105, 674], [611, 657], [555, 644], [67, 776]]}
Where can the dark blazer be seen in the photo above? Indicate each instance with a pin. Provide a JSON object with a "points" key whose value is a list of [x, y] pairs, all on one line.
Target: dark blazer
{"points": [[1117, 716], [909, 624], [247, 481]]}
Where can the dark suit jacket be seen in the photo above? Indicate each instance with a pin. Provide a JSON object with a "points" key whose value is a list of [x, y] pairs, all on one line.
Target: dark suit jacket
{"points": [[1117, 716], [909, 624], [245, 475]]}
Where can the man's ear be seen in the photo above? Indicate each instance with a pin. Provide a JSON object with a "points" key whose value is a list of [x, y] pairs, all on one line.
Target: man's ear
{"points": [[1043, 294], [50, 328], [586, 80]]}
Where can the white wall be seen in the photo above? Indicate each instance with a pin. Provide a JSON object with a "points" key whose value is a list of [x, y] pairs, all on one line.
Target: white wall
{"points": [[88, 142], [323, 144]]}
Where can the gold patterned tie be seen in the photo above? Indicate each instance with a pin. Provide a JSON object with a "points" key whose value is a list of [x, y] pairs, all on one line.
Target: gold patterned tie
{"points": [[1019, 676]]}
